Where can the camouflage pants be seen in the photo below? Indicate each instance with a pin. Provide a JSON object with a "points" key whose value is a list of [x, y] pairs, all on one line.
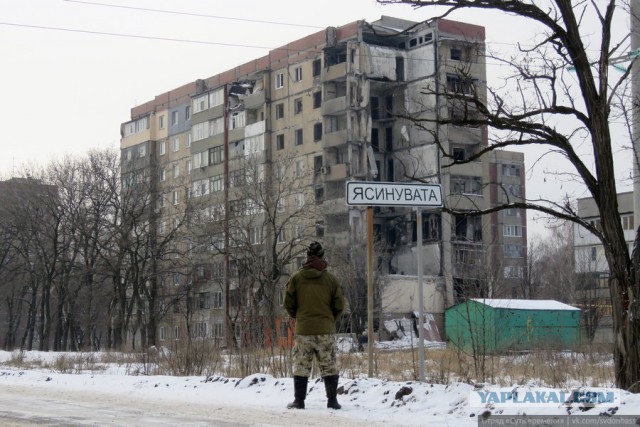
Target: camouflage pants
{"points": [[322, 347]]}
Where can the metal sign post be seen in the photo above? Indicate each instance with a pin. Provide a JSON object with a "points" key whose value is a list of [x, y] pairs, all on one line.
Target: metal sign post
{"points": [[362, 193]]}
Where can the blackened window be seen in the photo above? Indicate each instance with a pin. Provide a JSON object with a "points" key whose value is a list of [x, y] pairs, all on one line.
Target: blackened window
{"points": [[317, 132], [317, 67], [317, 99]]}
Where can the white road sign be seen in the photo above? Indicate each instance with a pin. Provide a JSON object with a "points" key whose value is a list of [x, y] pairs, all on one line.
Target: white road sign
{"points": [[393, 194]]}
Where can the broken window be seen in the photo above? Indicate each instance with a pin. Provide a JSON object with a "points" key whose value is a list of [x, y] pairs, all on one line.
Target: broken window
{"points": [[297, 106], [466, 185], [317, 67], [374, 102], [461, 84], [317, 132], [317, 99], [456, 54], [299, 137], [459, 154], [375, 141], [280, 142]]}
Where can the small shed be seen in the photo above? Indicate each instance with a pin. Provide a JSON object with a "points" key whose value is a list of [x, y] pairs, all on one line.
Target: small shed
{"points": [[499, 325]]}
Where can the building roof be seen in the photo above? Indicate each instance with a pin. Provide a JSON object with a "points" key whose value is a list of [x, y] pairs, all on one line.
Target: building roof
{"points": [[525, 304]]}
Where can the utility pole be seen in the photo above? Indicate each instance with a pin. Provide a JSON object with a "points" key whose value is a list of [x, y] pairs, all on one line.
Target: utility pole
{"points": [[634, 17]]}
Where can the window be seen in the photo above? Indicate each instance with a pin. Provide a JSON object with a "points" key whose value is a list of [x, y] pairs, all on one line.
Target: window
{"points": [[216, 155], [297, 74], [200, 131], [163, 335], [176, 333], [513, 272], [513, 251], [217, 300], [510, 170], [466, 185], [162, 175], [280, 205], [458, 154], [282, 238], [200, 329], [200, 103], [513, 190], [297, 106], [317, 132], [216, 98], [175, 144], [317, 67], [594, 253], [299, 137], [189, 166], [299, 168], [204, 300], [161, 122], [279, 111], [627, 222], [513, 230], [237, 178], [279, 80], [187, 112], [512, 212], [237, 120], [175, 197], [176, 170], [280, 142], [216, 126], [256, 235], [299, 200], [374, 102], [456, 54], [201, 159], [317, 99], [218, 330], [458, 84], [163, 148], [189, 139], [216, 183]]}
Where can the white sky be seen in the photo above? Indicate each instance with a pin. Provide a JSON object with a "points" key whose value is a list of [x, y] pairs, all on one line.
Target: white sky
{"points": [[65, 92], [111, 397]]}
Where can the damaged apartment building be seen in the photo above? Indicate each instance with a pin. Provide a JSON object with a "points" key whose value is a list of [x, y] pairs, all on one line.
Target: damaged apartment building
{"points": [[338, 106]]}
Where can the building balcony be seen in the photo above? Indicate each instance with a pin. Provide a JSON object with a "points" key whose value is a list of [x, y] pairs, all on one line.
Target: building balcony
{"points": [[335, 139], [334, 72], [255, 100], [337, 172], [466, 169], [334, 106]]}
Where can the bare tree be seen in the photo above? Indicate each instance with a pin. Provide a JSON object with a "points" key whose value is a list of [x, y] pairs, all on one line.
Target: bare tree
{"points": [[547, 98]]}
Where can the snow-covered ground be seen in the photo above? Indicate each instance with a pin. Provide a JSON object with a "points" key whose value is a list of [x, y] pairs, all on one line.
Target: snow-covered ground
{"points": [[41, 396]]}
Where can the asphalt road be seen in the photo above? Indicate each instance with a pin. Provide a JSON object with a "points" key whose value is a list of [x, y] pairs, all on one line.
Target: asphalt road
{"points": [[34, 406]]}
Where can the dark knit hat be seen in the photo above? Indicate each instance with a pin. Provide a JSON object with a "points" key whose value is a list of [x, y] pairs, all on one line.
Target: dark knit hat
{"points": [[316, 249]]}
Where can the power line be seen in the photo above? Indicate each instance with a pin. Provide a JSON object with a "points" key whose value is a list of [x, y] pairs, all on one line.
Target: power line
{"points": [[105, 33], [200, 15]]}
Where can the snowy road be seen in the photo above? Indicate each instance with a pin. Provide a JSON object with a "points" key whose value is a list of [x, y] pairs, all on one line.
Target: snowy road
{"points": [[29, 405]]}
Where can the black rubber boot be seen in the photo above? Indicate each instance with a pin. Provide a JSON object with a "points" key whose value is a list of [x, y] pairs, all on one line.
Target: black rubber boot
{"points": [[299, 392], [331, 387]]}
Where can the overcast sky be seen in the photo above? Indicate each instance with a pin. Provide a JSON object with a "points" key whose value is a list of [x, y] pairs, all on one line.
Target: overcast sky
{"points": [[72, 70]]}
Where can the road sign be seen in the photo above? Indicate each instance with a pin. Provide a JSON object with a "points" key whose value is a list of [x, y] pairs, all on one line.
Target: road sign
{"points": [[364, 193]]}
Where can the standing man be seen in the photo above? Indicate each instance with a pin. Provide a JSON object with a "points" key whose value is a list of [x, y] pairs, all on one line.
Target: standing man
{"points": [[314, 298]]}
